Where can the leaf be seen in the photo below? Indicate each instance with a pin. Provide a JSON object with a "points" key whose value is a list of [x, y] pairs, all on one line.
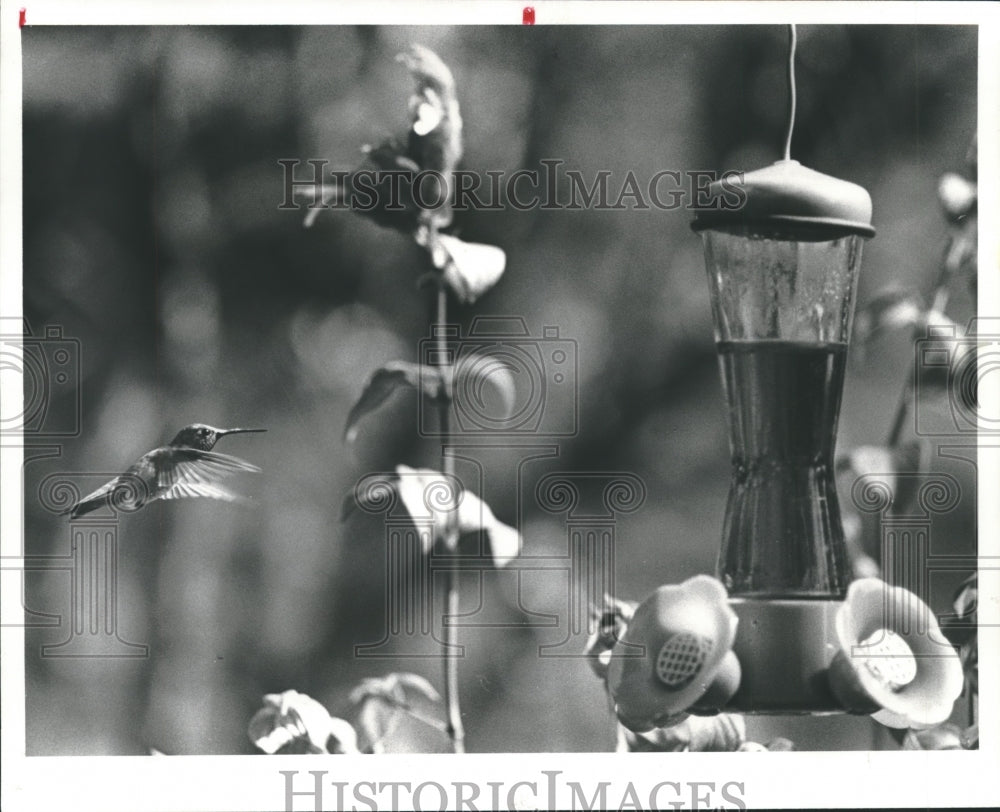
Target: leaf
{"points": [[343, 737], [957, 195], [942, 737], [469, 269], [371, 498], [394, 689], [866, 460], [961, 255], [427, 495], [415, 682], [960, 627], [383, 700], [386, 380], [390, 156], [967, 597], [435, 119], [887, 463], [375, 721], [348, 506], [969, 655], [474, 372], [427, 114], [505, 543], [891, 309], [291, 722], [949, 362], [721, 733], [319, 200], [474, 515]]}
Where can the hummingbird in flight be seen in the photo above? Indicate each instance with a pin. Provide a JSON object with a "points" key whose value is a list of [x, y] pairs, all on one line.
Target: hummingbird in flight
{"points": [[184, 468]]}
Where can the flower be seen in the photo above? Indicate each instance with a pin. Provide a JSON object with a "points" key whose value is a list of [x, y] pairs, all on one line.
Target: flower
{"points": [[393, 688], [888, 664], [382, 701], [675, 652], [726, 732], [297, 723]]}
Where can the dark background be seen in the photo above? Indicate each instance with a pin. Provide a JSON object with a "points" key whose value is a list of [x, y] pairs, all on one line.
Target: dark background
{"points": [[152, 234]]}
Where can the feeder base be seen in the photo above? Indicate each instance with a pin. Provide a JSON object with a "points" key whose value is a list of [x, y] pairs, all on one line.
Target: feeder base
{"points": [[784, 648]]}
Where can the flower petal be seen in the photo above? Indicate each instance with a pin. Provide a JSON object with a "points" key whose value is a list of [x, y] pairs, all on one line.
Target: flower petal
{"points": [[297, 721]]}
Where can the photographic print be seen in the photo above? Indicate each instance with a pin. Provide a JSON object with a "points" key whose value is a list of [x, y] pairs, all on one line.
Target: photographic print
{"points": [[411, 392]]}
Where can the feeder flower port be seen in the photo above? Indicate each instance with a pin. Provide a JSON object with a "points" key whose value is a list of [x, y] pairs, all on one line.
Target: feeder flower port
{"points": [[893, 661], [675, 656]]}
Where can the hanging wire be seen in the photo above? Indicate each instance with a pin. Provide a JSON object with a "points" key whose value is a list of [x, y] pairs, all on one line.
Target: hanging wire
{"points": [[791, 91]]}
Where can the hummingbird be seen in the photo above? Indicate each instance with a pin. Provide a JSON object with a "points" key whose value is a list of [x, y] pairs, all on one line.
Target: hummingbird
{"points": [[184, 468]]}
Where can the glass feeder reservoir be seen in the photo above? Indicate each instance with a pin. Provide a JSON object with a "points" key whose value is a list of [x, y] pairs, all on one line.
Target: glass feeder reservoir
{"points": [[782, 270]]}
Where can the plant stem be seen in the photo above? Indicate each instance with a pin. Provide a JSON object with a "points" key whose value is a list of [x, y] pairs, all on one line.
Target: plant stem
{"points": [[938, 304], [455, 730], [902, 409], [971, 702]]}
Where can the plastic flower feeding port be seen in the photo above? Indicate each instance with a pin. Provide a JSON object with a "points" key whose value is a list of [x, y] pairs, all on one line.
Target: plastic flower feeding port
{"points": [[782, 270], [780, 630]]}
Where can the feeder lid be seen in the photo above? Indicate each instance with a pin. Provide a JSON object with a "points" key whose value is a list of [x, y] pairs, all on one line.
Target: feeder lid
{"points": [[791, 197]]}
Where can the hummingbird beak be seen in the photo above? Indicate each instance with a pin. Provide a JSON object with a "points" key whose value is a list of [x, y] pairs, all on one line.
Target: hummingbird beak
{"points": [[239, 431]]}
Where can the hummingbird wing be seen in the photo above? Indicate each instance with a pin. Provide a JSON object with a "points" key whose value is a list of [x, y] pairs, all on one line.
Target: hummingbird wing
{"points": [[184, 490], [188, 472]]}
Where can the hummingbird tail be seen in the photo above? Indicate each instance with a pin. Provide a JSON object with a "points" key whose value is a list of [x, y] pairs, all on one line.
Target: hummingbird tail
{"points": [[119, 494], [85, 506]]}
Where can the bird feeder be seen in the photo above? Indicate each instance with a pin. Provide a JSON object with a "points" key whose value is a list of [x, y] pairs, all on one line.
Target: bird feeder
{"points": [[780, 630], [783, 251]]}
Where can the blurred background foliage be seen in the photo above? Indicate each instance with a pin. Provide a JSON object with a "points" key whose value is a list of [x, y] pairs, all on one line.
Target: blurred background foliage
{"points": [[152, 233]]}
